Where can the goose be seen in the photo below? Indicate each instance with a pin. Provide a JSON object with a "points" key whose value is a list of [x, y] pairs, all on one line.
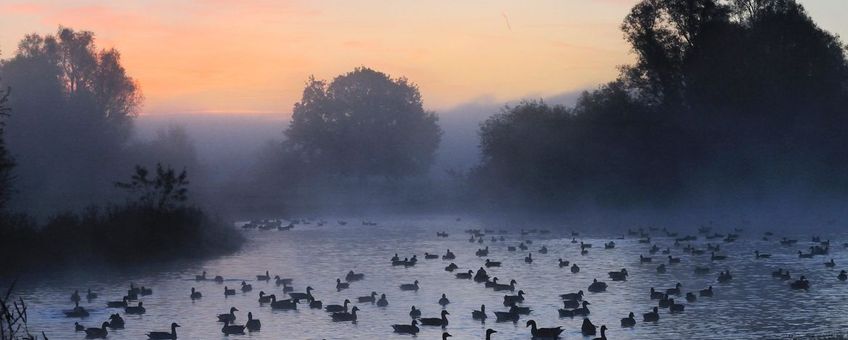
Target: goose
{"points": [[664, 302], [691, 297], [395, 258], [573, 240], [830, 264], [345, 316], [75, 297], [279, 282], [407, 286], [714, 257], [287, 288], [643, 259], [465, 276], [500, 287], [758, 255], [444, 300], [266, 277], [231, 316], [165, 335], [511, 315], [654, 249], [481, 275], [666, 251], [490, 264], [673, 259], [341, 285], [245, 287], [708, 292], [804, 256], [407, 329], [371, 298], [661, 269], [572, 296], [78, 327], [543, 332], [522, 246], [570, 304], [414, 313], [228, 291], [675, 290], [479, 314], [513, 299], [655, 295], [219, 279], [575, 269], [543, 250], [675, 307], [801, 283], [619, 275], [652, 316], [232, 329], [97, 333], [597, 286], [489, 333], [610, 245], [139, 309], [353, 277], [117, 304], [451, 267], [195, 294], [428, 256], [287, 304], [629, 321], [314, 304], [724, 276], [201, 277], [588, 328], [842, 276], [520, 310], [603, 333], [90, 295], [443, 321], [337, 308], [563, 263], [302, 296], [264, 298], [482, 252], [584, 310], [446, 335], [116, 321], [382, 302], [252, 324], [529, 258], [510, 248]]}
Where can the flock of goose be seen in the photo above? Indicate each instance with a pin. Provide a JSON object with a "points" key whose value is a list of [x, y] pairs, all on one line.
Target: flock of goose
{"points": [[574, 304]]}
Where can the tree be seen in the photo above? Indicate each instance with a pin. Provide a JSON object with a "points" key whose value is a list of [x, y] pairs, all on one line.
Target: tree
{"points": [[6, 161], [162, 192], [363, 123]]}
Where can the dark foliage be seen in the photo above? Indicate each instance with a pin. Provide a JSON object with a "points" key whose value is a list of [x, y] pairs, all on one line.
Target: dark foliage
{"points": [[6, 161], [14, 318]]}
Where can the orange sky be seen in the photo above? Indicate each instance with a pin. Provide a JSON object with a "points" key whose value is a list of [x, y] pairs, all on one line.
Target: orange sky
{"points": [[254, 56]]}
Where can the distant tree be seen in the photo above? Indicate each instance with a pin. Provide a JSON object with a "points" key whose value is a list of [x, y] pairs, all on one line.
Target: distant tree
{"points": [[161, 192], [363, 123], [6, 161]]}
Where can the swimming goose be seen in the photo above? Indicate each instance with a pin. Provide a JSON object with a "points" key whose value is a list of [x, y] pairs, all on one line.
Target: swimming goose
{"points": [[643, 259], [228, 291], [529, 258], [804, 256], [75, 297], [510, 248], [407, 286], [691, 297], [706, 292], [510, 300], [451, 267], [446, 335], [200, 277], [232, 329], [78, 327], [520, 310], [570, 304], [353, 277], [491, 283], [830, 264], [245, 287], [139, 309], [619, 275], [673, 259], [165, 335], [666, 251], [842, 276], [724, 276], [443, 321], [489, 333], [664, 302], [563, 263], [543, 250], [279, 282], [341, 285], [510, 287], [715, 257], [610, 245], [597, 286], [801, 283], [264, 298], [587, 328], [372, 298], [482, 252], [575, 269], [629, 321], [145, 291], [758, 255], [92, 295], [382, 302], [337, 308], [314, 304], [572, 296], [287, 304], [414, 313], [428, 256], [219, 279], [465, 276], [444, 300], [653, 316], [116, 321], [511, 315], [231, 316], [97, 333], [117, 304], [479, 314], [584, 310], [655, 295], [675, 290], [195, 294], [654, 249], [345, 316], [675, 307], [395, 258], [603, 333], [407, 329], [266, 277], [481, 275], [543, 332], [302, 296], [522, 246], [490, 264], [287, 288]]}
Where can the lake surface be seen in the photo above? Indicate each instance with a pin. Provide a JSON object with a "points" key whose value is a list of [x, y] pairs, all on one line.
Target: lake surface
{"points": [[752, 305]]}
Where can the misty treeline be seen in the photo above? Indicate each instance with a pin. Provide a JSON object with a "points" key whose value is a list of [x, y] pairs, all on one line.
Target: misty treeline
{"points": [[67, 122]]}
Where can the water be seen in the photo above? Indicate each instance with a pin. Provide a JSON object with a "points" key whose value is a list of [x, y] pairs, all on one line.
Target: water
{"points": [[752, 305]]}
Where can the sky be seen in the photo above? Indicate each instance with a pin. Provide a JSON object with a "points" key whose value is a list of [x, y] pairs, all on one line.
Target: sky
{"points": [[254, 57]]}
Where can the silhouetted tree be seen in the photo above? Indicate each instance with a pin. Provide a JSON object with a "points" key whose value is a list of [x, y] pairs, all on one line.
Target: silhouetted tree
{"points": [[363, 123], [6, 161], [162, 192]]}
